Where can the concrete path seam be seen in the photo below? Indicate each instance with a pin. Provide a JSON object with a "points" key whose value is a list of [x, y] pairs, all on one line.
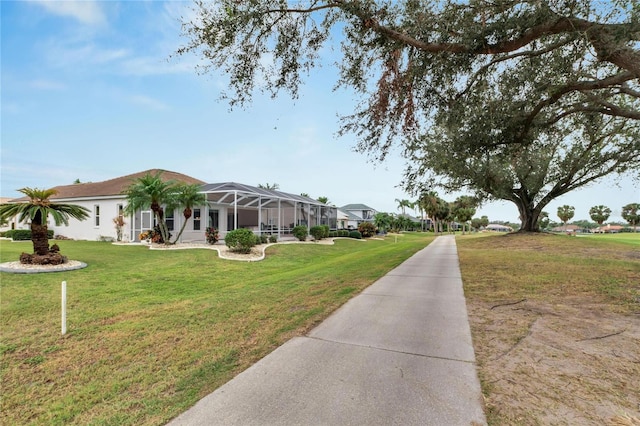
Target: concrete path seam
{"points": [[391, 350]]}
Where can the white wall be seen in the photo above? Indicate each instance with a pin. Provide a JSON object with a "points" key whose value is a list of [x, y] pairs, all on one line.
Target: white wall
{"points": [[88, 229]]}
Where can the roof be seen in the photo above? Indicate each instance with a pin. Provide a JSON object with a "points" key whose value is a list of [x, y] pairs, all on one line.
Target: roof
{"points": [[356, 207], [114, 186], [252, 195]]}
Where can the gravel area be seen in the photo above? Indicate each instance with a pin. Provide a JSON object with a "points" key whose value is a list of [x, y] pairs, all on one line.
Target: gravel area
{"points": [[19, 268]]}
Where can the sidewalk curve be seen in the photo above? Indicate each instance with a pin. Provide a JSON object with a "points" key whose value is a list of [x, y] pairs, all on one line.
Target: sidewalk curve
{"points": [[399, 353]]}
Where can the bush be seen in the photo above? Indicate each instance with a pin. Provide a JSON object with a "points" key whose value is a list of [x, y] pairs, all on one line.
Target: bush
{"points": [[325, 228], [333, 234], [300, 232], [24, 234], [355, 234], [367, 229], [273, 238], [317, 232], [211, 235], [240, 240], [262, 239]]}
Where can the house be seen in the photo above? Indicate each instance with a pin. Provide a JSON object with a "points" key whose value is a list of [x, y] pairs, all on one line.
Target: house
{"points": [[230, 206], [608, 229], [358, 213]]}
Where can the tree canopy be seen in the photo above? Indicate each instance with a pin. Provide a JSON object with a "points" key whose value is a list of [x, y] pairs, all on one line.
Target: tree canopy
{"points": [[532, 99]]}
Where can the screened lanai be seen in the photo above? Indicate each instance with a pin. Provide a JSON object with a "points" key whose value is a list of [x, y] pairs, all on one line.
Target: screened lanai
{"points": [[264, 211]]}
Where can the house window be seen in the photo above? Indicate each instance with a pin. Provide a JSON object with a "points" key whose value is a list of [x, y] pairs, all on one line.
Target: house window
{"points": [[120, 211], [196, 219], [214, 219], [96, 215], [169, 219]]}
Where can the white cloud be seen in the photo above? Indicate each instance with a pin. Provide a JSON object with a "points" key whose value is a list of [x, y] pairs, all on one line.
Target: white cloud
{"points": [[42, 84], [148, 102], [86, 12]]}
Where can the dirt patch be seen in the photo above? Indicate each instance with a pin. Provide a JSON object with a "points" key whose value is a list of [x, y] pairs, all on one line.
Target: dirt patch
{"points": [[569, 363]]}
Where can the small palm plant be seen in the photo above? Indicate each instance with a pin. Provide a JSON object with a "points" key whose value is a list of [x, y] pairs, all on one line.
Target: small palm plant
{"points": [[36, 211]]}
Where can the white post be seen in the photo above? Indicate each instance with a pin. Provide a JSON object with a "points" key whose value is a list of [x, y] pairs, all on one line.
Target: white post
{"points": [[64, 308]]}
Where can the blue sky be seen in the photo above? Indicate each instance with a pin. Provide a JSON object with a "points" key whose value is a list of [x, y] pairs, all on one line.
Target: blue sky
{"points": [[89, 92]]}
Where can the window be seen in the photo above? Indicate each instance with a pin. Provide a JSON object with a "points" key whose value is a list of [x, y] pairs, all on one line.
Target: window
{"points": [[120, 211], [196, 219], [169, 219], [96, 214], [214, 219]]}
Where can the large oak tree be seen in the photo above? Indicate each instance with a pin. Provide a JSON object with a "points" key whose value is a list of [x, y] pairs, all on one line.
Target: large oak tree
{"points": [[540, 88]]}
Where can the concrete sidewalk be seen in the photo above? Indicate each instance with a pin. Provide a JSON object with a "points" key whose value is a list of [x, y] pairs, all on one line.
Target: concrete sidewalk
{"points": [[399, 353]]}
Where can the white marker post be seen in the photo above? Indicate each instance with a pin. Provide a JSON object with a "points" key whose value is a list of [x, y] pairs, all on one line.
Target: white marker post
{"points": [[64, 308]]}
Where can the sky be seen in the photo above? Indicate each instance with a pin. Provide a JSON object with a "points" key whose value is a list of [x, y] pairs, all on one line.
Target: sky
{"points": [[91, 90]]}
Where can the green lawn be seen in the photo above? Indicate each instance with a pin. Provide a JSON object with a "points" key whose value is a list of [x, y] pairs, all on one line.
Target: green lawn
{"points": [[151, 332], [632, 238]]}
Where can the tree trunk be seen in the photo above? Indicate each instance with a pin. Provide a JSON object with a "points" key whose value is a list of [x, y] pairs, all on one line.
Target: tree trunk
{"points": [[187, 215], [40, 239], [529, 219]]}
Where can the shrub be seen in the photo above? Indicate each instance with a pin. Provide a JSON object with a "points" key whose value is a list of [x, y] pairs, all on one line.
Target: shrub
{"points": [[367, 229], [211, 235], [262, 239], [355, 234], [300, 232], [273, 238], [317, 232], [343, 233], [333, 234], [325, 228], [240, 240], [25, 234]]}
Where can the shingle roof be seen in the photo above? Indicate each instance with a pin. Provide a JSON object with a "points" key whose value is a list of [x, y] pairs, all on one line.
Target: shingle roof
{"points": [[114, 186], [356, 207]]}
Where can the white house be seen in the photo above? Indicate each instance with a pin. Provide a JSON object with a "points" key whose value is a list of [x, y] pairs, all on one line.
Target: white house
{"points": [[230, 206], [358, 213]]}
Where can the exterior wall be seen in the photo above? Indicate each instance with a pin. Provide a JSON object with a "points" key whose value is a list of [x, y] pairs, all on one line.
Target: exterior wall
{"points": [[91, 228]]}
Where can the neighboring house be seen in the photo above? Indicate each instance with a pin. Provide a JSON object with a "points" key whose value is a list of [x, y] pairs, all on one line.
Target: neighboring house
{"points": [[498, 228], [570, 228], [342, 219], [358, 213], [230, 206], [609, 229]]}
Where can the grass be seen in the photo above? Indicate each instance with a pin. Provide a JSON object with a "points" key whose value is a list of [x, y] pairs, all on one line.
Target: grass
{"points": [[631, 238], [152, 332], [595, 273], [546, 267]]}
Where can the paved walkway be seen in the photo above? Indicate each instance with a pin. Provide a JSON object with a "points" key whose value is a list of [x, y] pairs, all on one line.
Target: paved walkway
{"points": [[399, 353]]}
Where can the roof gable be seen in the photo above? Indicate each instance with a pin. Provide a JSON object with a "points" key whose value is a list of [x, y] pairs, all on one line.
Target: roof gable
{"points": [[114, 186]]}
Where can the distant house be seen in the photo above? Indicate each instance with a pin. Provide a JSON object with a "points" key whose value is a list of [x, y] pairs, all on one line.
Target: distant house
{"points": [[609, 229], [358, 213], [498, 228], [230, 205]]}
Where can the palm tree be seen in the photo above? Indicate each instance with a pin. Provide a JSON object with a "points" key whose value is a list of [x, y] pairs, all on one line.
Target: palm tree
{"points": [[382, 221], [186, 196], [565, 213], [37, 210], [599, 214], [324, 200], [631, 213], [150, 191], [272, 186], [403, 204], [430, 205]]}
